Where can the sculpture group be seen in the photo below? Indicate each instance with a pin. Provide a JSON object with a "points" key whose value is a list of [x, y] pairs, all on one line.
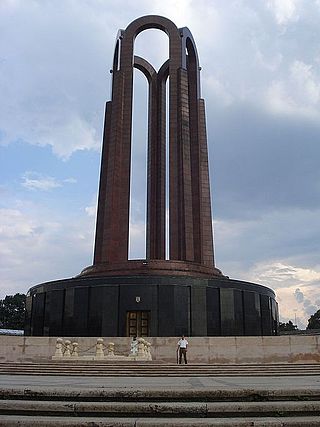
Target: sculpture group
{"points": [[69, 350]]}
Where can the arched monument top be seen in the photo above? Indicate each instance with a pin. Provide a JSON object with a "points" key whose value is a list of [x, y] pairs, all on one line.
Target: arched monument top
{"points": [[152, 21], [189, 222]]}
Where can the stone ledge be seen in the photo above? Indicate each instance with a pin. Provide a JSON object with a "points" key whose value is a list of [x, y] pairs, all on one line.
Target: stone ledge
{"points": [[151, 267], [304, 421]]}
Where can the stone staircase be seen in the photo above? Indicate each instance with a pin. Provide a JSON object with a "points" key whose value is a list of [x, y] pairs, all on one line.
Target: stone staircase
{"points": [[157, 406], [152, 369]]}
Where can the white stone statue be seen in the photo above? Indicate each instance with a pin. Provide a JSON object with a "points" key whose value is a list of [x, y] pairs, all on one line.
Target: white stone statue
{"points": [[148, 350], [59, 347], [141, 348], [67, 350], [134, 347], [75, 346], [110, 349], [100, 348]]}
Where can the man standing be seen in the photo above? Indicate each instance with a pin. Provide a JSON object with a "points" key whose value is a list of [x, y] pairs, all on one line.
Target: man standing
{"points": [[182, 348]]}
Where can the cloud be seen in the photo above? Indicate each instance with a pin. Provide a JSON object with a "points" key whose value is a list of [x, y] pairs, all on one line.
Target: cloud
{"points": [[91, 210], [309, 308], [299, 295], [137, 247], [285, 11], [77, 131], [287, 280], [35, 181], [219, 90], [70, 180], [13, 225], [283, 274], [298, 95], [37, 245], [53, 78], [32, 181]]}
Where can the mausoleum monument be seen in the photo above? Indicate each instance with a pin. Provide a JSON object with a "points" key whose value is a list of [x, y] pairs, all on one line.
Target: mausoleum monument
{"points": [[182, 293]]}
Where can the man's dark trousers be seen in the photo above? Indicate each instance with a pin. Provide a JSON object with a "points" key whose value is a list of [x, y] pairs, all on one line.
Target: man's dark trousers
{"points": [[182, 352]]}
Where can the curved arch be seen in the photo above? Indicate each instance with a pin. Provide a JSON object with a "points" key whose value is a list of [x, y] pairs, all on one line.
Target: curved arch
{"points": [[163, 72], [187, 39], [117, 52], [155, 232], [145, 67], [157, 150], [153, 21], [150, 22], [190, 61]]}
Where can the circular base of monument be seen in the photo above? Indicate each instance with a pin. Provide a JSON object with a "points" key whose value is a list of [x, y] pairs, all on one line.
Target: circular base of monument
{"points": [[152, 267], [150, 305]]}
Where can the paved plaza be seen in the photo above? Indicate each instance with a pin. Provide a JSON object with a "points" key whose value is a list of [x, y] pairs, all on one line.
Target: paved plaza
{"points": [[226, 383]]}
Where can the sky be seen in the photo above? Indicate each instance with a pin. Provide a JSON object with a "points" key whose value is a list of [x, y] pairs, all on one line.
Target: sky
{"points": [[261, 83]]}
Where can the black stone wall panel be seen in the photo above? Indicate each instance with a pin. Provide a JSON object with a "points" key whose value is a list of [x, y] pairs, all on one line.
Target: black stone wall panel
{"points": [[28, 316], [38, 307], [252, 313], [213, 311], [199, 311], [227, 310], [182, 310], [266, 317], [110, 308], [56, 309], [238, 312], [177, 305], [166, 313]]}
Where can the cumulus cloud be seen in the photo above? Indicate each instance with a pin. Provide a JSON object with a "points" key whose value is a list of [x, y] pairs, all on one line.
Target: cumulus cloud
{"points": [[299, 295], [91, 210], [287, 280], [36, 181], [53, 94], [14, 225], [137, 247], [285, 11], [289, 265], [37, 246], [219, 90], [32, 181], [298, 95]]}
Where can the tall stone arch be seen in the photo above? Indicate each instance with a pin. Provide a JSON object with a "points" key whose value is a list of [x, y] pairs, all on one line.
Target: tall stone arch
{"points": [[190, 229]]}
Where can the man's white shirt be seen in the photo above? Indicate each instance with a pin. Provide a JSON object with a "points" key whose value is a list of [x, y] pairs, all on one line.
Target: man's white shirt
{"points": [[183, 343]]}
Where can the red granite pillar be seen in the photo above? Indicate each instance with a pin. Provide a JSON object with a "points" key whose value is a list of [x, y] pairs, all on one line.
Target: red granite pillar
{"points": [[207, 257]]}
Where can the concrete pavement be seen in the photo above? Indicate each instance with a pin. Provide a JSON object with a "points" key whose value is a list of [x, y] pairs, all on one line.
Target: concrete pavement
{"points": [[158, 383]]}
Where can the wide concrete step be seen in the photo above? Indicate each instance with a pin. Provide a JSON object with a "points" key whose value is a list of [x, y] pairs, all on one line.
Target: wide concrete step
{"points": [[207, 394], [160, 409], [45, 421], [74, 406], [130, 370]]}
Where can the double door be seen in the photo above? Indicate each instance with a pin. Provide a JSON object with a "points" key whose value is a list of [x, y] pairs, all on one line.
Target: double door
{"points": [[138, 323]]}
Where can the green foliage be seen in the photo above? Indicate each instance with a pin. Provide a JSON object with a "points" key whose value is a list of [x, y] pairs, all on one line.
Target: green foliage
{"points": [[314, 321], [12, 311], [289, 326]]}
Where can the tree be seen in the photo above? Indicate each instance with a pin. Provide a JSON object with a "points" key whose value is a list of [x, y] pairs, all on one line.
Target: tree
{"points": [[12, 311], [314, 321], [289, 326]]}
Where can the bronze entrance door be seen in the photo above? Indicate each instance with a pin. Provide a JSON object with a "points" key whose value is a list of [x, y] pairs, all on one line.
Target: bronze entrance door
{"points": [[138, 323]]}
